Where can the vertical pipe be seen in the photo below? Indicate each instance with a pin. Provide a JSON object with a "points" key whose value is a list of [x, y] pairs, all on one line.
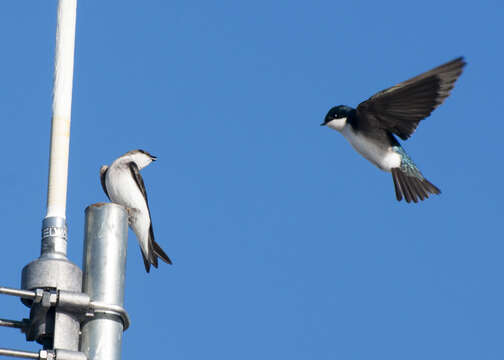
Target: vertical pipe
{"points": [[62, 108], [105, 243], [57, 329]]}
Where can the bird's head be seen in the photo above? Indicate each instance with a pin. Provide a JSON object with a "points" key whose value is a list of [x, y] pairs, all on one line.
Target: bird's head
{"points": [[141, 157], [337, 117]]}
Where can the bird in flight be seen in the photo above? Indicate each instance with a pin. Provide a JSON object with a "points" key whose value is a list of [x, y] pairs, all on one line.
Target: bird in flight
{"points": [[124, 185], [372, 127]]}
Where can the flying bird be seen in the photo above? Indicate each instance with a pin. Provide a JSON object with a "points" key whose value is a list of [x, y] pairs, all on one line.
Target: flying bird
{"points": [[124, 185], [371, 127]]}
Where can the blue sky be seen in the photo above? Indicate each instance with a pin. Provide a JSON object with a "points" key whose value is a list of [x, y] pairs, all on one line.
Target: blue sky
{"points": [[286, 243]]}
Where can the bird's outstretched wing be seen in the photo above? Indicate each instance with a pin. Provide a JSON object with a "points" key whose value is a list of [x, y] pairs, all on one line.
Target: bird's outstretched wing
{"points": [[400, 108], [103, 174]]}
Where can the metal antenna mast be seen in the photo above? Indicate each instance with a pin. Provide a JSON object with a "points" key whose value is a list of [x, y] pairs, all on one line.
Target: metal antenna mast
{"points": [[52, 286]]}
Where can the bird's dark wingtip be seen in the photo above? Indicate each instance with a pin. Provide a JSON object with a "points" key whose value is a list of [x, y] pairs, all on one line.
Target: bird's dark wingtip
{"points": [[462, 60], [146, 263]]}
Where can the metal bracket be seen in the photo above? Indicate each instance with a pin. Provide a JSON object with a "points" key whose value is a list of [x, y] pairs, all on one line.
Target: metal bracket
{"points": [[70, 301]]}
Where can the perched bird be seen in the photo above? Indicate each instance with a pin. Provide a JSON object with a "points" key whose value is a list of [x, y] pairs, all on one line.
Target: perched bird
{"points": [[124, 185], [371, 127]]}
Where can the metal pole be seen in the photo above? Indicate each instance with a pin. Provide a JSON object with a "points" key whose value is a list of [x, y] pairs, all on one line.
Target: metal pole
{"points": [[50, 327], [105, 244]]}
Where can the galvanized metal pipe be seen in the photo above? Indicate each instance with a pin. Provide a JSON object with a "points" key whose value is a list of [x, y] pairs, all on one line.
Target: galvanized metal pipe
{"points": [[105, 244]]}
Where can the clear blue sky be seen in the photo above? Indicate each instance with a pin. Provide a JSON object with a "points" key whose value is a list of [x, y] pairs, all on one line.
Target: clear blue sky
{"points": [[286, 243]]}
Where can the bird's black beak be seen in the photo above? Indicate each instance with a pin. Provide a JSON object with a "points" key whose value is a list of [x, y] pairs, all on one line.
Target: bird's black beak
{"points": [[323, 124]]}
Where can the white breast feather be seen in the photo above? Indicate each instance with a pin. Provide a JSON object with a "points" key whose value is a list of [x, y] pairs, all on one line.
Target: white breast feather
{"points": [[123, 190], [385, 159]]}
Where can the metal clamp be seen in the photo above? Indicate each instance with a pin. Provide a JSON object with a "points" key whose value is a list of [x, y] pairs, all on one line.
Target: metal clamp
{"points": [[99, 307], [71, 301], [81, 303]]}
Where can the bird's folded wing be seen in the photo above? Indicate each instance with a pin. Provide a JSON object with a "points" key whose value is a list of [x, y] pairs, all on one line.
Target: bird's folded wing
{"points": [[135, 172], [103, 175]]}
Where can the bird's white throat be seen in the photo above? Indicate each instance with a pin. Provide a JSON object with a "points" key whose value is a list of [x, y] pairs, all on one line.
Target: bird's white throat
{"points": [[337, 124]]}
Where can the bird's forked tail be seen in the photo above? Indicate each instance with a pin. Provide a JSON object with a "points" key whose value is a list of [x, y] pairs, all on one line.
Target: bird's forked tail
{"points": [[409, 181]]}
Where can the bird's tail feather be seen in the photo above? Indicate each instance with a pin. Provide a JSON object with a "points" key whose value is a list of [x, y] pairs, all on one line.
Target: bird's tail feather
{"points": [[412, 188], [155, 250], [158, 252], [154, 253]]}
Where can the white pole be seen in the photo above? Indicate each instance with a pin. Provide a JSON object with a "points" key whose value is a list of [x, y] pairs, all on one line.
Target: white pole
{"points": [[62, 108]]}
